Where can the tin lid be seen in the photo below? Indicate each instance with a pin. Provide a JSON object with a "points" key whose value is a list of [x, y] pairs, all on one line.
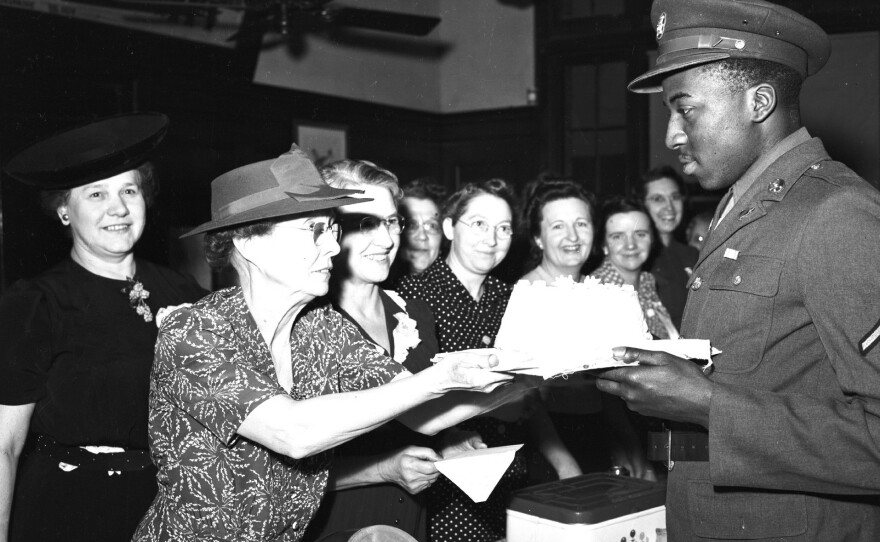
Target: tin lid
{"points": [[591, 498]]}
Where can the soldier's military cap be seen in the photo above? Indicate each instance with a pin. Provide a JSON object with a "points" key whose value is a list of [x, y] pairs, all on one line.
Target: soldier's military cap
{"points": [[695, 32]]}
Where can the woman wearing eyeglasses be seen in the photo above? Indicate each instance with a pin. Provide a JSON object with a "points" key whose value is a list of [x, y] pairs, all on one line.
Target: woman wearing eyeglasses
{"points": [[392, 465], [468, 305], [251, 387], [423, 236], [662, 192]]}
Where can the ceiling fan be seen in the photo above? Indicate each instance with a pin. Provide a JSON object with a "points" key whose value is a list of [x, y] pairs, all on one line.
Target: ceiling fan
{"points": [[290, 17]]}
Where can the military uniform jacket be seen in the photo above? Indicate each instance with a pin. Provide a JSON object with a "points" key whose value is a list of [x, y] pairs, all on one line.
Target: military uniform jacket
{"points": [[788, 288]]}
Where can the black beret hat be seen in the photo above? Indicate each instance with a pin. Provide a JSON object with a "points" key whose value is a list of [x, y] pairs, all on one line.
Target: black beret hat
{"points": [[694, 32], [90, 152]]}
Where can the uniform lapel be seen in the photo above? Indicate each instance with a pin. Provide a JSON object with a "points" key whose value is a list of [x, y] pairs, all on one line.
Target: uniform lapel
{"points": [[767, 190]]}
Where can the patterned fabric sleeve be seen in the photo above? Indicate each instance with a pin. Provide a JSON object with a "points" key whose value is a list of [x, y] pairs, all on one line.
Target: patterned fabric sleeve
{"points": [[198, 368], [330, 356], [362, 365]]}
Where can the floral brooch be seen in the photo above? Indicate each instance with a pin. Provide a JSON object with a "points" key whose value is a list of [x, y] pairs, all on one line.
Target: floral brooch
{"points": [[137, 296]]}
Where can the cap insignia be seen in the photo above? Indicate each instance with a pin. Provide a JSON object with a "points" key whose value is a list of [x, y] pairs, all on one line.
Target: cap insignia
{"points": [[661, 25]]}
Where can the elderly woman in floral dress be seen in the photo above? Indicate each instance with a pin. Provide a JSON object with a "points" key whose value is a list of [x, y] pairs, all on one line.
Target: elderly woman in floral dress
{"points": [[252, 385]]}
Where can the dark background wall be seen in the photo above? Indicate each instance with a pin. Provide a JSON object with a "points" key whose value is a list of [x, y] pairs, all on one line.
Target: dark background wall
{"points": [[59, 72]]}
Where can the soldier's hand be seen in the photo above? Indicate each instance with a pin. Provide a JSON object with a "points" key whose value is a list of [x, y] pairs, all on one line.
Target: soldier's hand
{"points": [[659, 384]]}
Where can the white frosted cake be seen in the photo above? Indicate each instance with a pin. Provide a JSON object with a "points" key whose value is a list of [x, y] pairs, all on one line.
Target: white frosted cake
{"points": [[568, 326]]}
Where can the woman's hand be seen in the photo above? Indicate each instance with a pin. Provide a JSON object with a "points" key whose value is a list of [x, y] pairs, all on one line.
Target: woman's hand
{"points": [[634, 461], [412, 468], [467, 370], [456, 441]]}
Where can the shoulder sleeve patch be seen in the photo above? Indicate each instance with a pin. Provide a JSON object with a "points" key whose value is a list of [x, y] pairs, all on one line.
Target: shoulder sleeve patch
{"points": [[870, 340]]}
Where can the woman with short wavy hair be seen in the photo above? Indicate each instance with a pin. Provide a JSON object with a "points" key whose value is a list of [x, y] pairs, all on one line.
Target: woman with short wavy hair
{"points": [[468, 304]]}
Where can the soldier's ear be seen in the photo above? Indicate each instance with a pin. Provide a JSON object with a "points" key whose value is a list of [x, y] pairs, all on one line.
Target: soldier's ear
{"points": [[762, 101]]}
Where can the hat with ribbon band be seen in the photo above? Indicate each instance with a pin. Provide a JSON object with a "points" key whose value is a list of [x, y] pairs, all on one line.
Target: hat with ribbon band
{"points": [[285, 186], [90, 152]]}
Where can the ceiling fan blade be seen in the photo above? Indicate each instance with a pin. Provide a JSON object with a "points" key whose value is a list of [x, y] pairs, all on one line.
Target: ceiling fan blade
{"points": [[167, 4], [386, 21]]}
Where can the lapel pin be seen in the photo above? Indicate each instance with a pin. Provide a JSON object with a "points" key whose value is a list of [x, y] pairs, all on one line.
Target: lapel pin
{"points": [[731, 254], [776, 186]]}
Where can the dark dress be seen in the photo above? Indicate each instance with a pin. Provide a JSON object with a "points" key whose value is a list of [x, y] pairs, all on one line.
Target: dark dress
{"points": [[462, 323], [672, 268], [383, 504], [73, 345]]}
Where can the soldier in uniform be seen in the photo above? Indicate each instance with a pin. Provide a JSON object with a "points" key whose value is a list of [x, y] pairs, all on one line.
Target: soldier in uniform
{"points": [[783, 439]]}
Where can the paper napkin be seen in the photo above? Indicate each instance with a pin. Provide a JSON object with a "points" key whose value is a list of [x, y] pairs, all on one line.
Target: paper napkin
{"points": [[477, 472]]}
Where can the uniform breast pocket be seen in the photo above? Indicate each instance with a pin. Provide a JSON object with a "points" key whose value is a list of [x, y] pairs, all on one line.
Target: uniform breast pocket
{"points": [[729, 514], [743, 295]]}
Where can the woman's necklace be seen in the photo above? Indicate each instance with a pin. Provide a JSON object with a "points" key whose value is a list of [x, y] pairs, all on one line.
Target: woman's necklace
{"points": [[137, 296]]}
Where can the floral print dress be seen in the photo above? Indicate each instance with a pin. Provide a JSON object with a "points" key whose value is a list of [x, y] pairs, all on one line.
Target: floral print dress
{"points": [[212, 369]]}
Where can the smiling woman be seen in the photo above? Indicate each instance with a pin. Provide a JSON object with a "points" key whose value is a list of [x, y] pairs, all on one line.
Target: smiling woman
{"points": [[628, 239], [421, 205], [106, 217], [468, 304], [78, 342], [561, 222], [560, 217], [662, 191], [393, 463]]}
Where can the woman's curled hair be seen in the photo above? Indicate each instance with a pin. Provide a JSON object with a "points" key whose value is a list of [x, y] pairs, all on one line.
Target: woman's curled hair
{"points": [[542, 192], [219, 246], [356, 173], [457, 204]]}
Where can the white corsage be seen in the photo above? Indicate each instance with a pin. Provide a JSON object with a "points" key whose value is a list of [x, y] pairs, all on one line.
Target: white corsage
{"points": [[406, 336]]}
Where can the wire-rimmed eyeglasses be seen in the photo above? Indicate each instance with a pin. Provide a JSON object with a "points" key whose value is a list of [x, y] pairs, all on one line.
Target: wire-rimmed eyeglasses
{"points": [[481, 227], [318, 229], [431, 227]]}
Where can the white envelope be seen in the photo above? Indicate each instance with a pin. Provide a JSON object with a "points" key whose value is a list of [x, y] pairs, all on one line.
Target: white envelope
{"points": [[477, 472]]}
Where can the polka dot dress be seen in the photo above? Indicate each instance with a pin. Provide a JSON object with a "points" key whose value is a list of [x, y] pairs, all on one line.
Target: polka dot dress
{"points": [[461, 323]]}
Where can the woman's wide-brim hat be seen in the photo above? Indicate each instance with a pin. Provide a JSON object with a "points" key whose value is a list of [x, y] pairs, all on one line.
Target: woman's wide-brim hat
{"points": [[90, 152], [272, 189]]}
